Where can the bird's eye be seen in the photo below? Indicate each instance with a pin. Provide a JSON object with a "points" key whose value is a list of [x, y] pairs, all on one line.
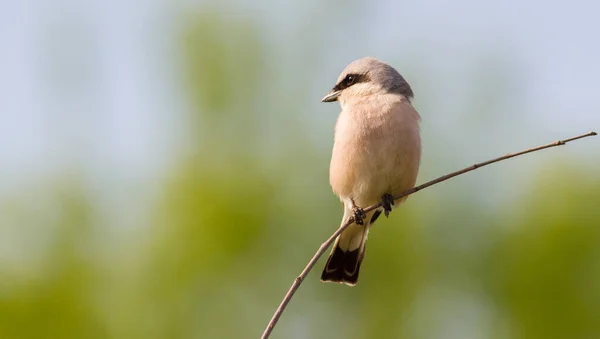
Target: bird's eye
{"points": [[349, 80]]}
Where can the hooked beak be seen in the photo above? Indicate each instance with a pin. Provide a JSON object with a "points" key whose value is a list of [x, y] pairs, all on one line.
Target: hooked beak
{"points": [[331, 96]]}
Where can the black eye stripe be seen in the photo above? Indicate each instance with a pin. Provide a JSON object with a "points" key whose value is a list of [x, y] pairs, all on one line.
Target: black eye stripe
{"points": [[350, 80]]}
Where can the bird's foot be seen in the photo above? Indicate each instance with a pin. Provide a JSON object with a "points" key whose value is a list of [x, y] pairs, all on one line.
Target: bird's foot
{"points": [[387, 201], [359, 215]]}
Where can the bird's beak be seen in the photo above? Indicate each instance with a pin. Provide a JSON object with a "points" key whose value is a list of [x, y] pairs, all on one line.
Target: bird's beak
{"points": [[331, 96]]}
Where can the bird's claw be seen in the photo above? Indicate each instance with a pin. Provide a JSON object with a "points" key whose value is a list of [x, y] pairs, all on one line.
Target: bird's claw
{"points": [[387, 201], [359, 215]]}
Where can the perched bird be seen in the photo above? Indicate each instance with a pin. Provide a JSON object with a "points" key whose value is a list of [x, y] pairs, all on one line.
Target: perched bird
{"points": [[376, 155]]}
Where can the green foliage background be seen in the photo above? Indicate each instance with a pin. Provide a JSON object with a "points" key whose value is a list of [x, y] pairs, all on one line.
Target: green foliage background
{"points": [[246, 203]]}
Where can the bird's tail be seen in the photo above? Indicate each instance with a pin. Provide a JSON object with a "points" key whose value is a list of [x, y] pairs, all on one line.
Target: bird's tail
{"points": [[346, 256]]}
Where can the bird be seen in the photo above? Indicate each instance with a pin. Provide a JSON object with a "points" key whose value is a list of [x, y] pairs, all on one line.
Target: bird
{"points": [[376, 155]]}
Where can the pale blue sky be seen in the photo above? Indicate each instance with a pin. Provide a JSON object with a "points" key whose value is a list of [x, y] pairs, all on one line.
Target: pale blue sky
{"points": [[94, 84]]}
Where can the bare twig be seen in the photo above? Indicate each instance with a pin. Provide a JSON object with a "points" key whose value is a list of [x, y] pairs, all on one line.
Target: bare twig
{"points": [[326, 244]]}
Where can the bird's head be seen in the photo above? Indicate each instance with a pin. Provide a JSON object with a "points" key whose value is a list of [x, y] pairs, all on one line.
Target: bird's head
{"points": [[368, 76]]}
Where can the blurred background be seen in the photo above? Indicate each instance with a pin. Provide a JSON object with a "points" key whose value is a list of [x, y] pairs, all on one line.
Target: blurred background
{"points": [[164, 169]]}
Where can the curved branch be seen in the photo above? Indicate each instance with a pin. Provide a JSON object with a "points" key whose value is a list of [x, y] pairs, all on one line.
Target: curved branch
{"points": [[296, 284]]}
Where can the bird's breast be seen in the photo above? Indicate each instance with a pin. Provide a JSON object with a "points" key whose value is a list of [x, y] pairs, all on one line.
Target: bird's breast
{"points": [[376, 151]]}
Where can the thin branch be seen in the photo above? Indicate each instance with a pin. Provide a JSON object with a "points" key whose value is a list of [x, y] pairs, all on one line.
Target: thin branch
{"points": [[326, 244]]}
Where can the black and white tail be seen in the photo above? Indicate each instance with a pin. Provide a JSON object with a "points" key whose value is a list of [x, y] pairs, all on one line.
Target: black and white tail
{"points": [[348, 253]]}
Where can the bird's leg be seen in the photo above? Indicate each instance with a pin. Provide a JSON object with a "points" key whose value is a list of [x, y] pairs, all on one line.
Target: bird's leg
{"points": [[387, 201], [359, 214]]}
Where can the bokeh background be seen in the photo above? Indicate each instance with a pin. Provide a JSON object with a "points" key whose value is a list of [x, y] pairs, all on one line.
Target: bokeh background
{"points": [[164, 169]]}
